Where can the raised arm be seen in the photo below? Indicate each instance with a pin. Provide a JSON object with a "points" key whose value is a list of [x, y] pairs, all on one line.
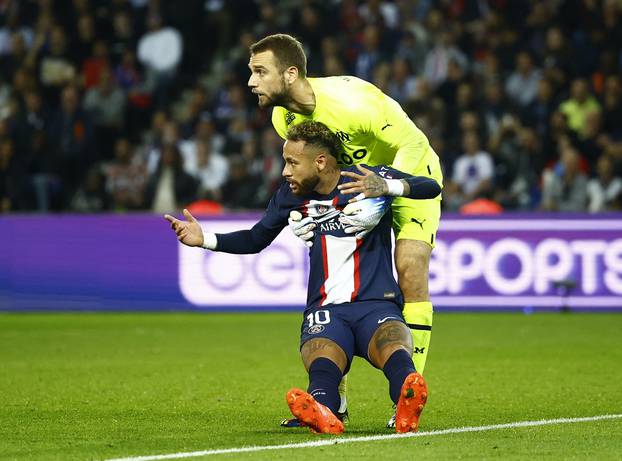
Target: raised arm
{"points": [[253, 240]]}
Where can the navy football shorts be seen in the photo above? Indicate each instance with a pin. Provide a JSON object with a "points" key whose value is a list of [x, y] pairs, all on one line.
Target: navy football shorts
{"points": [[350, 325]]}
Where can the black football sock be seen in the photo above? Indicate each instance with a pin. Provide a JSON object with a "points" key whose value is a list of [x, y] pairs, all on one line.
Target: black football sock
{"points": [[324, 378], [399, 365]]}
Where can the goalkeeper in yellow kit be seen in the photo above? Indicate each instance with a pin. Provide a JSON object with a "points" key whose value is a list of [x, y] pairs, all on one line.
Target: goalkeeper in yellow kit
{"points": [[374, 130]]}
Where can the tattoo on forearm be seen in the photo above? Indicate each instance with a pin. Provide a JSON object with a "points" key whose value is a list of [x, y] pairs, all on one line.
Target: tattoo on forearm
{"points": [[406, 187], [375, 186]]}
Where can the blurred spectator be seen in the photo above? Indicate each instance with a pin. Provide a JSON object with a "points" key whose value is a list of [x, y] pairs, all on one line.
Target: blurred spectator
{"points": [[591, 145], [211, 171], [138, 92], [331, 56], [11, 31], [557, 59], [493, 107], [579, 106], [271, 148], [438, 58], [473, 173], [612, 106], [310, 33], [106, 105], [167, 133], [240, 190], [269, 21], [84, 42], [230, 104], [123, 38], [605, 188], [448, 89], [16, 56], [127, 73], [95, 64], [379, 12], [126, 177], [41, 188], [370, 54], [160, 50], [204, 133], [195, 109], [538, 113], [402, 85], [5, 95], [56, 66], [515, 150], [522, 85], [412, 48], [170, 188], [72, 134], [90, 197], [564, 187], [9, 181]]}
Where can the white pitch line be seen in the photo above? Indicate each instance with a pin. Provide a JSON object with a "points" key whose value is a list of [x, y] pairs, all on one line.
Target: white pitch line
{"points": [[371, 438]]}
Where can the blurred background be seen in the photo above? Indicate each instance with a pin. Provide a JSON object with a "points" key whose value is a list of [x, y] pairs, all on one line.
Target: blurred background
{"points": [[116, 106], [521, 99]]}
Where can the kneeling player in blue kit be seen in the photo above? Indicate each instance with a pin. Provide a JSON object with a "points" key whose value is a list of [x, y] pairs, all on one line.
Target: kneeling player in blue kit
{"points": [[353, 301]]}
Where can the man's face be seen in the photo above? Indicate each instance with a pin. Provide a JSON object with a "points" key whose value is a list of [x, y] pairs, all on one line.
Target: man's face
{"points": [[300, 169], [266, 81]]}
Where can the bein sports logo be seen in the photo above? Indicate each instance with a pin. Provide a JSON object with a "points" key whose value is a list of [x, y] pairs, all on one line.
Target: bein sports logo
{"points": [[511, 266], [475, 263], [275, 277]]}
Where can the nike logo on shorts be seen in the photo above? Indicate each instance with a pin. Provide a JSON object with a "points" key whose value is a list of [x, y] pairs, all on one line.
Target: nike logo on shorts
{"points": [[387, 318]]}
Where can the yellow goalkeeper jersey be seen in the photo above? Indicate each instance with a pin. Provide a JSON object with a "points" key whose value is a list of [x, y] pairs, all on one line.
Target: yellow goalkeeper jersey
{"points": [[372, 127]]}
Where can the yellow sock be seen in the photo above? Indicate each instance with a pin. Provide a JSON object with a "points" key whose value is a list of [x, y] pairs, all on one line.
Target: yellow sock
{"points": [[418, 316], [343, 387]]}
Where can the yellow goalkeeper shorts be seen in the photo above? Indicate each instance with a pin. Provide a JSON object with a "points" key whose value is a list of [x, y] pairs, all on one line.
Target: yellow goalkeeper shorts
{"points": [[416, 219], [419, 219]]}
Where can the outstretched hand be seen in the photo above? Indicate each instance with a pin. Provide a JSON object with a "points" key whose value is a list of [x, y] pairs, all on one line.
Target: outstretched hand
{"points": [[366, 185], [188, 232]]}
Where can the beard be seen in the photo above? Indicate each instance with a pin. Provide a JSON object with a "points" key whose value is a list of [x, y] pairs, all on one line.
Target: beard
{"points": [[278, 98], [306, 186]]}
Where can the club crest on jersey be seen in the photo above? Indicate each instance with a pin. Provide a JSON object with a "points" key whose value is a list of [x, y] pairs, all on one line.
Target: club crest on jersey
{"points": [[289, 117], [315, 329], [321, 210]]}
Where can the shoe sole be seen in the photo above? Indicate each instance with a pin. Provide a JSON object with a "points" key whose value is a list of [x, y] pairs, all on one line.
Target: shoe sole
{"points": [[295, 423], [413, 396], [304, 407]]}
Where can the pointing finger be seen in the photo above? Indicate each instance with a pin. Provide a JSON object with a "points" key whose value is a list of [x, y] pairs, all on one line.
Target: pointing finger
{"points": [[189, 216]]}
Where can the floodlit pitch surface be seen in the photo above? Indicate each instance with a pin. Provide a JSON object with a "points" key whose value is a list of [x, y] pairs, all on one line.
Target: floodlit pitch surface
{"points": [[102, 386]]}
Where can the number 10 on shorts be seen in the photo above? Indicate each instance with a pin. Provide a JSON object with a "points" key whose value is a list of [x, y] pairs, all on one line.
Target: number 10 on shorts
{"points": [[318, 318]]}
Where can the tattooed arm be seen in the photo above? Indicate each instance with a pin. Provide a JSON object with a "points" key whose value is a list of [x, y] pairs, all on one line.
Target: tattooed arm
{"points": [[368, 184]]}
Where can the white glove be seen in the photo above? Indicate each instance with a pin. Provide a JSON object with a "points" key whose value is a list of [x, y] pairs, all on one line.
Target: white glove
{"points": [[361, 217], [302, 228]]}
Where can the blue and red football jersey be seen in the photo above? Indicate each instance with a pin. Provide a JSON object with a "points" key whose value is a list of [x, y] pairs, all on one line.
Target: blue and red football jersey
{"points": [[342, 267]]}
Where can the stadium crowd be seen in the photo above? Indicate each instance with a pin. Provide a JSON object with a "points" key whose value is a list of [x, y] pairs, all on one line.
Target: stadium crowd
{"points": [[143, 104]]}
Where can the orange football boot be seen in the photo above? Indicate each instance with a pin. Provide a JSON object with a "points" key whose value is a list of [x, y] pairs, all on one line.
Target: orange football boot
{"points": [[315, 415], [413, 396]]}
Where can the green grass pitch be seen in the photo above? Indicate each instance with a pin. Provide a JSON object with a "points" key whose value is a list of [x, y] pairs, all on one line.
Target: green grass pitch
{"points": [[100, 386]]}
